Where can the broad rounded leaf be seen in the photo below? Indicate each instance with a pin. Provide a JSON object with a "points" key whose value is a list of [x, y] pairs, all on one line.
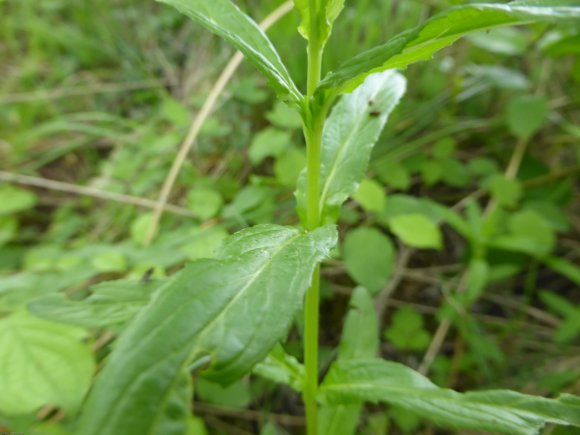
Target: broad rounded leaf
{"points": [[289, 165], [204, 202], [368, 256], [229, 312], [42, 363], [416, 230], [526, 114], [505, 191], [270, 142], [370, 195], [14, 199]]}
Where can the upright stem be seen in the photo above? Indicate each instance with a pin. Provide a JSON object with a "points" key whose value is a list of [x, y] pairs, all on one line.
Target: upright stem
{"points": [[313, 133]]}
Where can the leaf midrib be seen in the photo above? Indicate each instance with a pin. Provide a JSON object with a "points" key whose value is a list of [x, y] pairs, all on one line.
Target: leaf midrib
{"points": [[339, 154], [204, 331]]}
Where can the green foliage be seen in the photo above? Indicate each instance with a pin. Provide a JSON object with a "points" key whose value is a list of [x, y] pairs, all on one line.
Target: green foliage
{"points": [[110, 303], [203, 315], [225, 19], [15, 200], [368, 257], [525, 115], [407, 331], [370, 196], [416, 230], [320, 20], [225, 314], [236, 395], [205, 203], [497, 411], [438, 32], [505, 191], [289, 166], [282, 368], [569, 330], [529, 233], [47, 364], [268, 143], [359, 340], [351, 131]]}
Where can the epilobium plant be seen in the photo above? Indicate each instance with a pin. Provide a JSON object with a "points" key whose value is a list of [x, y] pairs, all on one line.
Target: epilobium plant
{"points": [[223, 317]]}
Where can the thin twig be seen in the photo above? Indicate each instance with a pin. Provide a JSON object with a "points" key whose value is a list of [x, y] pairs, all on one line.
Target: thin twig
{"points": [[441, 333], [102, 340], [200, 119], [533, 312], [60, 186], [382, 300]]}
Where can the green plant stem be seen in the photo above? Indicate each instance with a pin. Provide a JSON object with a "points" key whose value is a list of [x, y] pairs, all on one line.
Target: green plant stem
{"points": [[313, 134], [313, 127]]}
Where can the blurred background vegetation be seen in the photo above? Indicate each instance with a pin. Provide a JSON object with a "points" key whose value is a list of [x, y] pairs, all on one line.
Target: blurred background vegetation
{"points": [[477, 170]]}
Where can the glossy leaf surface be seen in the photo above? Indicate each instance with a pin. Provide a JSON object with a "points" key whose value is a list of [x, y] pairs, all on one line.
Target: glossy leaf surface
{"points": [[228, 312], [498, 411], [226, 20], [349, 135], [441, 31]]}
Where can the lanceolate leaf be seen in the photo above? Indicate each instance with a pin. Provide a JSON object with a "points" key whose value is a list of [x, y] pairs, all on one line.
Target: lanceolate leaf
{"points": [[226, 20], [440, 31], [111, 303], [360, 336], [349, 136], [229, 312], [360, 339], [327, 12], [498, 411], [281, 368]]}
